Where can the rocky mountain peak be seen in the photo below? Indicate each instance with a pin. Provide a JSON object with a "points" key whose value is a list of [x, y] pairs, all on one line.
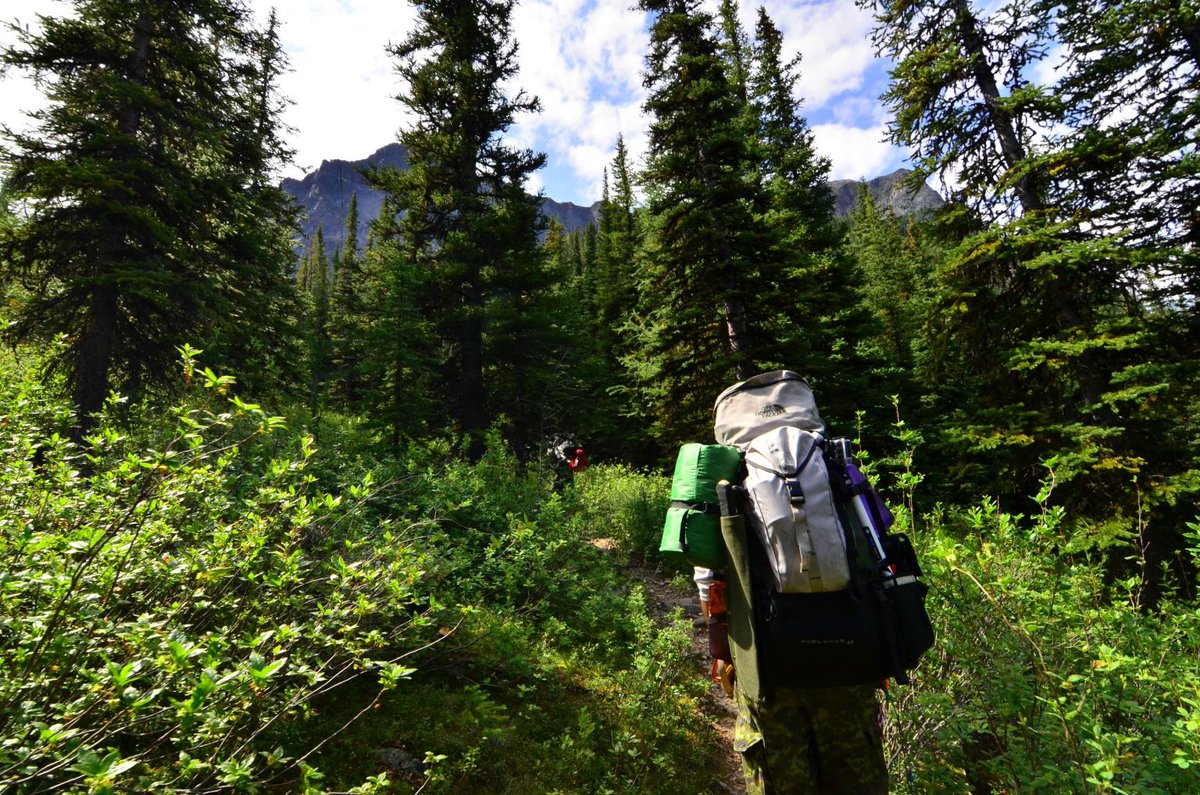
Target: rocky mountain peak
{"points": [[324, 196], [889, 191]]}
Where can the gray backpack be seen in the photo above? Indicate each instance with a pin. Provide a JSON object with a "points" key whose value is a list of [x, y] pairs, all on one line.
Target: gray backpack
{"points": [[836, 598]]}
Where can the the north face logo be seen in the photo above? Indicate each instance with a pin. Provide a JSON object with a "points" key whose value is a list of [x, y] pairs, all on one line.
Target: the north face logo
{"points": [[771, 410]]}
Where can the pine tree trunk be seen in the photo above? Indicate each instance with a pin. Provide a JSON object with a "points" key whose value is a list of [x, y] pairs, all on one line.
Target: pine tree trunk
{"points": [[735, 312], [99, 335], [95, 356], [470, 406], [1190, 33], [1002, 124], [1088, 369]]}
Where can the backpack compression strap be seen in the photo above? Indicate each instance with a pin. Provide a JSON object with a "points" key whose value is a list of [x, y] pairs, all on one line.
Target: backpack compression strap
{"points": [[710, 508], [786, 475]]}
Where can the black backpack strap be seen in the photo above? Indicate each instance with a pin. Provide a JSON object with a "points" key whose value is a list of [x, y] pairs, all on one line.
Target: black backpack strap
{"points": [[710, 508], [891, 636]]}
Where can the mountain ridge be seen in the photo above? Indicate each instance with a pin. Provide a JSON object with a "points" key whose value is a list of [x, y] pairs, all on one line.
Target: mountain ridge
{"points": [[324, 196]]}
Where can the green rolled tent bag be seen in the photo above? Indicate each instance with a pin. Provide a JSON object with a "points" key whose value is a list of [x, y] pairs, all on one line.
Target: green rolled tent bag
{"points": [[693, 524]]}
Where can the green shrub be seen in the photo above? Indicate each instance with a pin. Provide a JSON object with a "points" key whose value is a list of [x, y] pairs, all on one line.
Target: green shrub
{"points": [[625, 505], [557, 680], [1046, 676], [201, 600], [164, 609]]}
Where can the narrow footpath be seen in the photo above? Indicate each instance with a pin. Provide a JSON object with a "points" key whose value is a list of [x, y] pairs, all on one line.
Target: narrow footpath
{"points": [[663, 599]]}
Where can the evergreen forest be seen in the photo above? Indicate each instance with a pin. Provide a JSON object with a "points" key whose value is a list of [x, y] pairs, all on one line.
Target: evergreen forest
{"points": [[270, 525]]}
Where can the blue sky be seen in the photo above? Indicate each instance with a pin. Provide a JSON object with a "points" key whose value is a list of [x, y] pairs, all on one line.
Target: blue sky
{"points": [[582, 58]]}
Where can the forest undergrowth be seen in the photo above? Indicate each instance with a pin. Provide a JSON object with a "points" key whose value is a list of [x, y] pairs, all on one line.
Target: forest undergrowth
{"points": [[206, 599]]}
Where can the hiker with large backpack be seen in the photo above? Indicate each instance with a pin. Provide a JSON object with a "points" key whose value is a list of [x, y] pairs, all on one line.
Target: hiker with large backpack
{"points": [[810, 601]]}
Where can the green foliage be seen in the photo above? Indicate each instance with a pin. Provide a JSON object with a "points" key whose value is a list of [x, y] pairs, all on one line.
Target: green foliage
{"points": [[630, 504], [466, 223], [196, 611], [1047, 676], [618, 712], [316, 294], [740, 269], [173, 596], [151, 217], [197, 598], [554, 679], [1058, 323]]}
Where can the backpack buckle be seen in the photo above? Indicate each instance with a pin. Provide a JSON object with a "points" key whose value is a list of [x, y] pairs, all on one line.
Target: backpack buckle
{"points": [[795, 493]]}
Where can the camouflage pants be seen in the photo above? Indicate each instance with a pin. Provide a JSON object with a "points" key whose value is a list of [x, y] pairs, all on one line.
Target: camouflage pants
{"points": [[812, 742]]}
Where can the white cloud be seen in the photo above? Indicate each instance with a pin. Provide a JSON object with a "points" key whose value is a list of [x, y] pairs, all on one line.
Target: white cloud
{"points": [[18, 94], [856, 111], [834, 38], [582, 58], [342, 83], [856, 152]]}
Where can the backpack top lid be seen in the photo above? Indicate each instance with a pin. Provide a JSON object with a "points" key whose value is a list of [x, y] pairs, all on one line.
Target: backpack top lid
{"points": [[763, 403]]}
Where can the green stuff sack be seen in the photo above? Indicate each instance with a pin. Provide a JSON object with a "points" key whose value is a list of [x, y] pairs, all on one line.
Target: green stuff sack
{"points": [[693, 524]]}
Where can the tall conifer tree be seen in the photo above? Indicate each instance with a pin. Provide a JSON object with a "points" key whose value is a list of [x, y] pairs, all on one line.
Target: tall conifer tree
{"points": [[1050, 312], [739, 271], [400, 349], [617, 289], [691, 324], [314, 280], [151, 210], [349, 321], [973, 113], [465, 216], [1127, 172], [806, 277]]}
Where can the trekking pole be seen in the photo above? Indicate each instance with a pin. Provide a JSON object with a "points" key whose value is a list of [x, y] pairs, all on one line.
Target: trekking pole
{"points": [[864, 517], [860, 492]]}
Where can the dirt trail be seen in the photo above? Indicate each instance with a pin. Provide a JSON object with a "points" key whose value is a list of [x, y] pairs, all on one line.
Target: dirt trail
{"points": [[722, 712]]}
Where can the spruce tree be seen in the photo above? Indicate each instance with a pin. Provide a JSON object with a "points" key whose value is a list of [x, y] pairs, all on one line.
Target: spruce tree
{"points": [[616, 291], [691, 330], [252, 334], [314, 280], [894, 277], [1130, 88], [466, 219], [1127, 170], [736, 49], [400, 350], [152, 220], [739, 271], [1022, 311], [1051, 313], [813, 288], [348, 320]]}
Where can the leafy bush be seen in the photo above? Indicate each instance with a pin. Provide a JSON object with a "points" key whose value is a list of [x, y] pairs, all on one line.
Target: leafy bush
{"points": [[626, 505], [557, 680], [1046, 676], [196, 601], [164, 609]]}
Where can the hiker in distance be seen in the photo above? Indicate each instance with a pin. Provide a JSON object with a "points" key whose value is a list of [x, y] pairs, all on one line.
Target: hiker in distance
{"points": [[811, 604]]}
